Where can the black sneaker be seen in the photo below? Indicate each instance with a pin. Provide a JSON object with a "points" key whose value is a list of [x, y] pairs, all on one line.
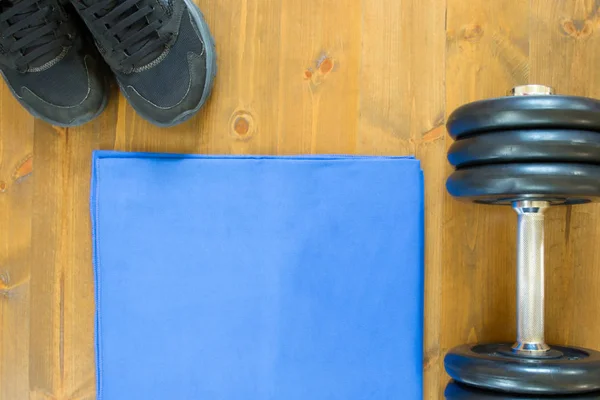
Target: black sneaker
{"points": [[45, 64], [161, 52]]}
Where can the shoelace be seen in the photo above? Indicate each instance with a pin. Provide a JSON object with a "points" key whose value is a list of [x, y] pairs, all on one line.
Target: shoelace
{"points": [[131, 26], [33, 31]]}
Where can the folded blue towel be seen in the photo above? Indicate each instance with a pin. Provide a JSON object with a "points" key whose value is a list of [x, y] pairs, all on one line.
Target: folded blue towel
{"points": [[258, 278]]}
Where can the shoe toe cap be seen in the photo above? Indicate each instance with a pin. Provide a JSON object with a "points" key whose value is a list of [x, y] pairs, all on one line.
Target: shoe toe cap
{"points": [[68, 98], [169, 102], [69, 93]]}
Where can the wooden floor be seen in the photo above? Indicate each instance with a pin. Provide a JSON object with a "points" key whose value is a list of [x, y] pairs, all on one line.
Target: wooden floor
{"points": [[313, 76]]}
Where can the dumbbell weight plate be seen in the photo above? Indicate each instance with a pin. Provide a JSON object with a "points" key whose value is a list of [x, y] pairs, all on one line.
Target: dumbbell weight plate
{"points": [[525, 112], [492, 367], [558, 183], [456, 391], [557, 145]]}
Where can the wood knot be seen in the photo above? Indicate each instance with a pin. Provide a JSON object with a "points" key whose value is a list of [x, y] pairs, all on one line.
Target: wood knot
{"points": [[431, 357], [4, 280], [577, 29], [2, 186], [23, 169], [472, 33], [325, 65], [242, 124]]}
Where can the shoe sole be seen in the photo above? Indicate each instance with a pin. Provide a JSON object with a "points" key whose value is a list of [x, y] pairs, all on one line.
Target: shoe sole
{"points": [[211, 68], [76, 122]]}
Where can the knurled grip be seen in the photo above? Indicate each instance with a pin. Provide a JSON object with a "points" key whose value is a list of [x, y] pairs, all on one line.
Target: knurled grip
{"points": [[530, 276]]}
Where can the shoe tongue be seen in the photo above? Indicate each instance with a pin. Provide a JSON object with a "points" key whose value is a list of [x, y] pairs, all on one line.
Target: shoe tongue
{"points": [[44, 58]]}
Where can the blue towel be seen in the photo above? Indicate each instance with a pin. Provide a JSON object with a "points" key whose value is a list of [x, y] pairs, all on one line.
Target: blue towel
{"points": [[258, 278]]}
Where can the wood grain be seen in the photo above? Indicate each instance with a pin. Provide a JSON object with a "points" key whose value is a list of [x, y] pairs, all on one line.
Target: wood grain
{"points": [[16, 186], [242, 114], [402, 74], [312, 76], [62, 352], [428, 151]]}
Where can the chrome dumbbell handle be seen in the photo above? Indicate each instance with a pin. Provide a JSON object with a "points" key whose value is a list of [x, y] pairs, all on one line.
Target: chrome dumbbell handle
{"points": [[530, 276], [530, 261]]}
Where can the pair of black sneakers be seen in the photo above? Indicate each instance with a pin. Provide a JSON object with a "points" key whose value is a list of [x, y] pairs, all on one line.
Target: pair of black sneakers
{"points": [[160, 51]]}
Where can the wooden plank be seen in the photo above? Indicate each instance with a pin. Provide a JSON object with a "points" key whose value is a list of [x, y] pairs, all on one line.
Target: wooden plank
{"points": [[431, 153], [401, 112], [565, 53], [487, 54], [16, 185], [242, 115], [62, 320], [287, 77], [46, 321], [402, 74], [319, 61], [78, 305]]}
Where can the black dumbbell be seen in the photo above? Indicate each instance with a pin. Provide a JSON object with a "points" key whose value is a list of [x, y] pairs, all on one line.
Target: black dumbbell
{"points": [[456, 391], [531, 150]]}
